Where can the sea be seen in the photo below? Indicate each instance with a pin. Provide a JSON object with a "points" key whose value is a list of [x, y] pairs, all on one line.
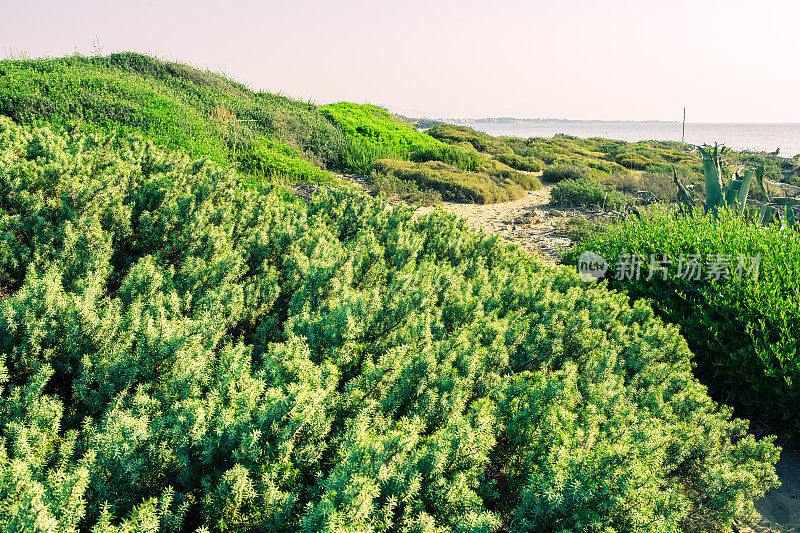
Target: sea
{"points": [[755, 137]]}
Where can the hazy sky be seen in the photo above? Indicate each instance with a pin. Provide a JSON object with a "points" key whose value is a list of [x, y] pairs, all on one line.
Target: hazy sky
{"points": [[726, 61]]}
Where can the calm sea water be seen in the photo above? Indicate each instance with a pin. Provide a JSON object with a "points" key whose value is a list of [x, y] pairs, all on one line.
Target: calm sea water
{"points": [[759, 137]]}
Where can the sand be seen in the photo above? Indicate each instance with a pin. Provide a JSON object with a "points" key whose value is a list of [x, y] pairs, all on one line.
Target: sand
{"points": [[780, 507], [529, 221]]}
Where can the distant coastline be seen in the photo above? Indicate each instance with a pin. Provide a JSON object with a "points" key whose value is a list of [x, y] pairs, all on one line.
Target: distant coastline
{"points": [[512, 120], [764, 137]]}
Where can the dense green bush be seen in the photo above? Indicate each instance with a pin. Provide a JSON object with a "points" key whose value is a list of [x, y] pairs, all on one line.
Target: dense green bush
{"points": [[375, 126], [451, 182], [656, 185], [180, 351], [566, 172], [406, 190], [745, 334], [584, 192], [482, 142]]}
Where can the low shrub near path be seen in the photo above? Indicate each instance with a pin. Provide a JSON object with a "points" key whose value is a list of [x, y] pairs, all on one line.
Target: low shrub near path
{"points": [[745, 333], [585, 192]]}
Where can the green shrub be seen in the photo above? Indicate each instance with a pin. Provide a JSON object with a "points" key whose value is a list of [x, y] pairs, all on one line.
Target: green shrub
{"points": [[660, 186], [528, 164], [452, 155], [359, 155], [584, 192], [465, 146], [180, 351], [404, 189], [581, 229], [273, 159], [451, 182], [482, 142], [566, 172], [496, 169], [744, 334], [377, 128]]}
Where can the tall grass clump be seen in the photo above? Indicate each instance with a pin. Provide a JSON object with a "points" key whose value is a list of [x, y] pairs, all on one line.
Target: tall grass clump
{"points": [[266, 158], [373, 133], [745, 333]]}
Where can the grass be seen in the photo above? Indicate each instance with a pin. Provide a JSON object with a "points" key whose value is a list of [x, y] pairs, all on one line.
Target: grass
{"points": [[407, 190], [659, 185], [457, 156], [480, 141], [453, 183], [604, 156], [495, 168], [373, 133]]}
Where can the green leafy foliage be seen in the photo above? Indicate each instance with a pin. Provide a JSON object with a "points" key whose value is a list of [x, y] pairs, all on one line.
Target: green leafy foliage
{"points": [[407, 190], [177, 107], [498, 170], [275, 160], [182, 351], [744, 333], [632, 160], [586, 192]]}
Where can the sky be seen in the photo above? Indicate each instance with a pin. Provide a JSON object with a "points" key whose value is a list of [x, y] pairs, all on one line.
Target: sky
{"points": [[725, 61]]}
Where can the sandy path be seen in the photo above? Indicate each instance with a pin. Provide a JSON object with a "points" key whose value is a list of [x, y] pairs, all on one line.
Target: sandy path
{"points": [[527, 222], [780, 507]]}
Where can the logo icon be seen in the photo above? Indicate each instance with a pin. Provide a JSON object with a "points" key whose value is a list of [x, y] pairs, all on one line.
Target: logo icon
{"points": [[591, 266]]}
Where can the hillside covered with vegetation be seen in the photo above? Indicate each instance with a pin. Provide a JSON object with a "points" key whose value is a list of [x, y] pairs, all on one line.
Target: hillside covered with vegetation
{"points": [[265, 136], [182, 349], [185, 345]]}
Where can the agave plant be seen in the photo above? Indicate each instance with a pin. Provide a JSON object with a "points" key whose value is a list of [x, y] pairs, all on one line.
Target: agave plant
{"points": [[734, 194], [767, 211]]}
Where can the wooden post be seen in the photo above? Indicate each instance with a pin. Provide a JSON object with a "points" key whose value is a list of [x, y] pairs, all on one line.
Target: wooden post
{"points": [[683, 130]]}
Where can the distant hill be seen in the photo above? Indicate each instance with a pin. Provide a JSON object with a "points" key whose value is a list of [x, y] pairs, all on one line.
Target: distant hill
{"points": [[197, 112]]}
